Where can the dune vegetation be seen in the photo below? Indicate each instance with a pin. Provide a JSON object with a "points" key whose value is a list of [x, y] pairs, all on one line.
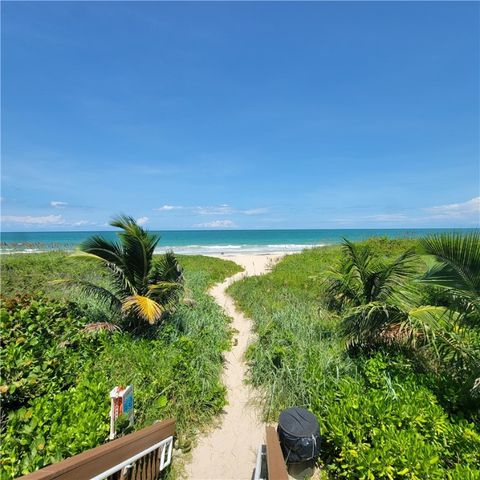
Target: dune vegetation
{"points": [[381, 340], [65, 345]]}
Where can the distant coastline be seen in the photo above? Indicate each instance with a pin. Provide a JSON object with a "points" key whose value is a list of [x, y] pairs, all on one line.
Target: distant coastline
{"points": [[213, 242]]}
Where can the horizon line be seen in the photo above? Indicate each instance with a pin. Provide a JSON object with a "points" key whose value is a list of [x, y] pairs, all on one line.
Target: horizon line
{"points": [[244, 229]]}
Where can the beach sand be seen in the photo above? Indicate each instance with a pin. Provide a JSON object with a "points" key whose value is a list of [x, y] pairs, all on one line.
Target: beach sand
{"points": [[228, 452]]}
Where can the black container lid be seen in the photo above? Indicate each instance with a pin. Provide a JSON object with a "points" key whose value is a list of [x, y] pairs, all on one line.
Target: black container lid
{"points": [[299, 422]]}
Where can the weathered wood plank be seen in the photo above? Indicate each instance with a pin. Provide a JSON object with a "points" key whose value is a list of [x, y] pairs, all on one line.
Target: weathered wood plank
{"points": [[275, 461]]}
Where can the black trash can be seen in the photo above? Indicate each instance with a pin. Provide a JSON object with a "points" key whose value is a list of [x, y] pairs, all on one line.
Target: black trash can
{"points": [[299, 435]]}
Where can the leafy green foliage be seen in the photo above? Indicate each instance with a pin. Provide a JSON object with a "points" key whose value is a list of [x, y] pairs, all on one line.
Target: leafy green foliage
{"points": [[367, 289], [384, 416], [175, 372], [56, 426], [43, 346], [386, 424], [457, 269]]}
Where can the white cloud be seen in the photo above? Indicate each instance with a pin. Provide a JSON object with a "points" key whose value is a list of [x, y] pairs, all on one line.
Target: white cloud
{"points": [[142, 220], [58, 204], [467, 209], [32, 220], [167, 208], [256, 211], [223, 209], [45, 220], [217, 224], [387, 217], [465, 212]]}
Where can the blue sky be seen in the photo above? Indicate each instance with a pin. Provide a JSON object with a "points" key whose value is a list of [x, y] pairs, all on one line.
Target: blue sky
{"points": [[240, 115]]}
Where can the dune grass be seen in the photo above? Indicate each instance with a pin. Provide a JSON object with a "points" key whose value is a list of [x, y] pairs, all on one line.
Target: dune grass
{"points": [[28, 273], [381, 416]]}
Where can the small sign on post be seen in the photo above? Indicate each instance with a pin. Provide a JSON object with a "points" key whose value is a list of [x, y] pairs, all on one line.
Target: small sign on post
{"points": [[121, 404]]}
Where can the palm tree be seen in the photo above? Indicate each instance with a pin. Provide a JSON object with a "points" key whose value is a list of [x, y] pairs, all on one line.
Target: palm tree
{"points": [[141, 289], [369, 292], [379, 305]]}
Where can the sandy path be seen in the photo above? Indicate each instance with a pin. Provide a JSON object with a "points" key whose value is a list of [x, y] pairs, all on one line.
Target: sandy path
{"points": [[229, 451]]}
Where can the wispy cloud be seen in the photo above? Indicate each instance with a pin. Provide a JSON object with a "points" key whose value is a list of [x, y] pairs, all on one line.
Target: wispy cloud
{"points": [[34, 220], [42, 220], [142, 220], [221, 209], [58, 204], [468, 209], [387, 217], [168, 208], [256, 211], [216, 224]]}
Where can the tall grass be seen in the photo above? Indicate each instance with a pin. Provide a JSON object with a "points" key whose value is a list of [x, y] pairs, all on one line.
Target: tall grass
{"points": [[28, 273], [380, 416]]}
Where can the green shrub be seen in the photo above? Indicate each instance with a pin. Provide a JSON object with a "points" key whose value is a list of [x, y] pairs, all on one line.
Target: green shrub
{"points": [[384, 426], [56, 426], [175, 373], [43, 347], [380, 417]]}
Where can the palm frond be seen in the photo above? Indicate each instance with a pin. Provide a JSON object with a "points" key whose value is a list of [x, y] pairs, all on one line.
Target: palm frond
{"points": [[138, 247], [342, 290], [392, 277], [102, 294], [442, 332], [357, 259], [370, 324], [167, 268], [459, 261], [121, 282], [361, 279], [96, 245], [143, 307], [144, 289]]}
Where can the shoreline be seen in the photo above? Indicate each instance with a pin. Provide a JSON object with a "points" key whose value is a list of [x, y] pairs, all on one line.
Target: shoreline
{"points": [[220, 251]]}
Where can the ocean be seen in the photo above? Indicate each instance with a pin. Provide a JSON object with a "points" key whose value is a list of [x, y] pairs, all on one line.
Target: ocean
{"points": [[210, 241]]}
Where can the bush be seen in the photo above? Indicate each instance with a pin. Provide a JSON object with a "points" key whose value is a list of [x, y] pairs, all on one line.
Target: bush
{"points": [[56, 426], [175, 373], [380, 417], [381, 425], [43, 347]]}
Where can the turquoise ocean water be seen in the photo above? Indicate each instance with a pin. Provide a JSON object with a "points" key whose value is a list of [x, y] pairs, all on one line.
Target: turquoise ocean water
{"points": [[210, 241]]}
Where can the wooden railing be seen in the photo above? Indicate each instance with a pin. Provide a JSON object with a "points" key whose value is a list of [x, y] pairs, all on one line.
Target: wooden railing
{"points": [[139, 455]]}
